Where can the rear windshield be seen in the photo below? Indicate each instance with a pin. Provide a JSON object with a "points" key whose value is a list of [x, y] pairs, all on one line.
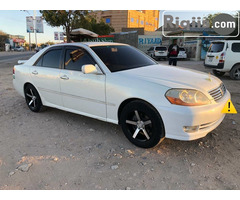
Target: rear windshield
{"points": [[216, 47], [118, 58], [161, 48]]}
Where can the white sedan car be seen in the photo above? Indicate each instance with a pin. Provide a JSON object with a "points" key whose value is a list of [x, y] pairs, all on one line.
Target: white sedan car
{"points": [[119, 84]]}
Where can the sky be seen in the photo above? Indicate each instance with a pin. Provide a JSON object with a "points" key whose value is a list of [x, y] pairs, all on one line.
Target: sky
{"points": [[14, 22]]}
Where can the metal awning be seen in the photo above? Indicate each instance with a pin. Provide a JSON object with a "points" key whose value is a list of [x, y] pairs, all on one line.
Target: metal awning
{"points": [[83, 32]]}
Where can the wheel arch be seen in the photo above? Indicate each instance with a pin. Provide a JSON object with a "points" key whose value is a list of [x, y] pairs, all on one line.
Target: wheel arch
{"points": [[235, 65], [25, 85], [28, 83], [127, 101]]}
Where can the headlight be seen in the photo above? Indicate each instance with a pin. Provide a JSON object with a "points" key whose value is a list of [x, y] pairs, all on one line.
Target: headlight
{"points": [[187, 97]]}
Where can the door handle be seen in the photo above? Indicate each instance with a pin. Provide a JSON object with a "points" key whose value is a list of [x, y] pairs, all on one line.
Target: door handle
{"points": [[35, 72], [64, 77]]}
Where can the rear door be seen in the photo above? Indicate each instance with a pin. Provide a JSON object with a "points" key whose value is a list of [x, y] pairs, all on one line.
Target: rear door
{"points": [[214, 52], [45, 75]]}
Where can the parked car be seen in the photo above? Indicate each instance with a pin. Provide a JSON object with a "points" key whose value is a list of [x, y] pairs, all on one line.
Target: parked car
{"points": [[182, 53], [158, 52], [120, 84], [224, 56], [37, 49], [19, 48]]}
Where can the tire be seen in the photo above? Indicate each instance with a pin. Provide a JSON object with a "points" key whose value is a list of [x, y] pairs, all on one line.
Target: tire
{"points": [[235, 72], [148, 131], [32, 98], [218, 73]]}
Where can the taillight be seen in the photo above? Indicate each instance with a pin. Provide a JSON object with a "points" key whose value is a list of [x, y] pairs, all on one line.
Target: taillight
{"points": [[222, 58], [13, 72]]}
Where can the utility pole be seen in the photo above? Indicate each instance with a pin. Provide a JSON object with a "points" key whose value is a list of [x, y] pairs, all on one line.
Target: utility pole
{"points": [[35, 30], [30, 45]]}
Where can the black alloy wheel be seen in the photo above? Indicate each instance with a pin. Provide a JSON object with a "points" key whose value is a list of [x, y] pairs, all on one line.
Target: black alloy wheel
{"points": [[142, 124]]}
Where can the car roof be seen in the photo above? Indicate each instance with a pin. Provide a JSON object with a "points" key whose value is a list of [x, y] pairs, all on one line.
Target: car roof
{"points": [[90, 44]]}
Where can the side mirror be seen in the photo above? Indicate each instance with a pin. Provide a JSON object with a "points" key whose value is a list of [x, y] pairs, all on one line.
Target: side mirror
{"points": [[90, 69]]}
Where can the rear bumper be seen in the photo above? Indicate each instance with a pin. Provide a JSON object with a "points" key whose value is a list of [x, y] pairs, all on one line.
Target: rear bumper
{"points": [[219, 66], [206, 118], [184, 56]]}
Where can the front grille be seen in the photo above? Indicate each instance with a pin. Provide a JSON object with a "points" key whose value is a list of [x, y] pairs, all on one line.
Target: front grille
{"points": [[218, 92]]}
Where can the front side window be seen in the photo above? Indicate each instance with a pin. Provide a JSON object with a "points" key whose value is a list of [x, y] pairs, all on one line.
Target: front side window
{"points": [[236, 47], [121, 57], [75, 58], [50, 59]]}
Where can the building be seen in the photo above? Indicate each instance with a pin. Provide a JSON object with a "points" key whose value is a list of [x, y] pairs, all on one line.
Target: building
{"points": [[119, 19]]}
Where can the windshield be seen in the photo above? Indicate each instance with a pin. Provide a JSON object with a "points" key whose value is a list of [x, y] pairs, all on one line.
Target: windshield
{"points": [[216, 47], [181, 49], [118, 57]]}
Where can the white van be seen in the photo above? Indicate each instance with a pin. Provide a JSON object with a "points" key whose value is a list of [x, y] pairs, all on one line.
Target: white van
{"points": [[224, 56], [158, 52]]}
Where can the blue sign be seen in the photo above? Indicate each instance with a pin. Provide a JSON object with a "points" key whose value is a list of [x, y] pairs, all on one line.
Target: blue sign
{"points": [[149, 41]]}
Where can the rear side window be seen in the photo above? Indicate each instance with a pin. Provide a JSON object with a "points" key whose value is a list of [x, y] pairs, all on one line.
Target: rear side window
{"points": [[161, 48], [236, 47], [75, 58], [50, 59], [216, 47]]}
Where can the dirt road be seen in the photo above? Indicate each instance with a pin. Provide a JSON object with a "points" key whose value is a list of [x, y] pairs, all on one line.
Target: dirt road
{"points": [[60, 150]]}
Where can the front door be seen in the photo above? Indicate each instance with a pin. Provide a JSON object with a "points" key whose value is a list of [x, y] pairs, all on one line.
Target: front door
{"points": [[82, 93]]}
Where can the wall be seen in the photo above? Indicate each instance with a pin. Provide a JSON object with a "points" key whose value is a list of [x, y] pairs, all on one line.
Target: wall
{"points": [[147, 41], [147, 19], [118, 18], [130, 38], [129, 19]]}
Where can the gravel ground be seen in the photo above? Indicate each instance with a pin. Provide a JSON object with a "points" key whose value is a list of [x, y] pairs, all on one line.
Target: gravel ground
{"points": [[60, 150]]}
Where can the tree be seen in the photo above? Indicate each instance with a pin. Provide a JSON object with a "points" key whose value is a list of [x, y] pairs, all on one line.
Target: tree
{"points": [[89, 22], [73, 19], [3, 38], [65, 18], [210, 18]]}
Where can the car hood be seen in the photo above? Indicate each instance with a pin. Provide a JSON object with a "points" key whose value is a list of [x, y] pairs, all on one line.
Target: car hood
{"points": [[175, 77]]}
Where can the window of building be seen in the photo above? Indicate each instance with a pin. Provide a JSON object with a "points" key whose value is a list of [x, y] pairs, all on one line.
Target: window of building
{"points": [[146, 23], [137, 21], [108, 20], [75, 58], [141, 22], [236, 47], [132, 20]]}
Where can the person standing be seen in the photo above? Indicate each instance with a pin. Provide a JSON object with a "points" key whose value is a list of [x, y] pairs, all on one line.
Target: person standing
{"points": [[173, 51]]}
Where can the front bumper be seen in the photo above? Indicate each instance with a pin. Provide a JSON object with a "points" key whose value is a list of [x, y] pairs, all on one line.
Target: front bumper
{"points": [[207, 117]]}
